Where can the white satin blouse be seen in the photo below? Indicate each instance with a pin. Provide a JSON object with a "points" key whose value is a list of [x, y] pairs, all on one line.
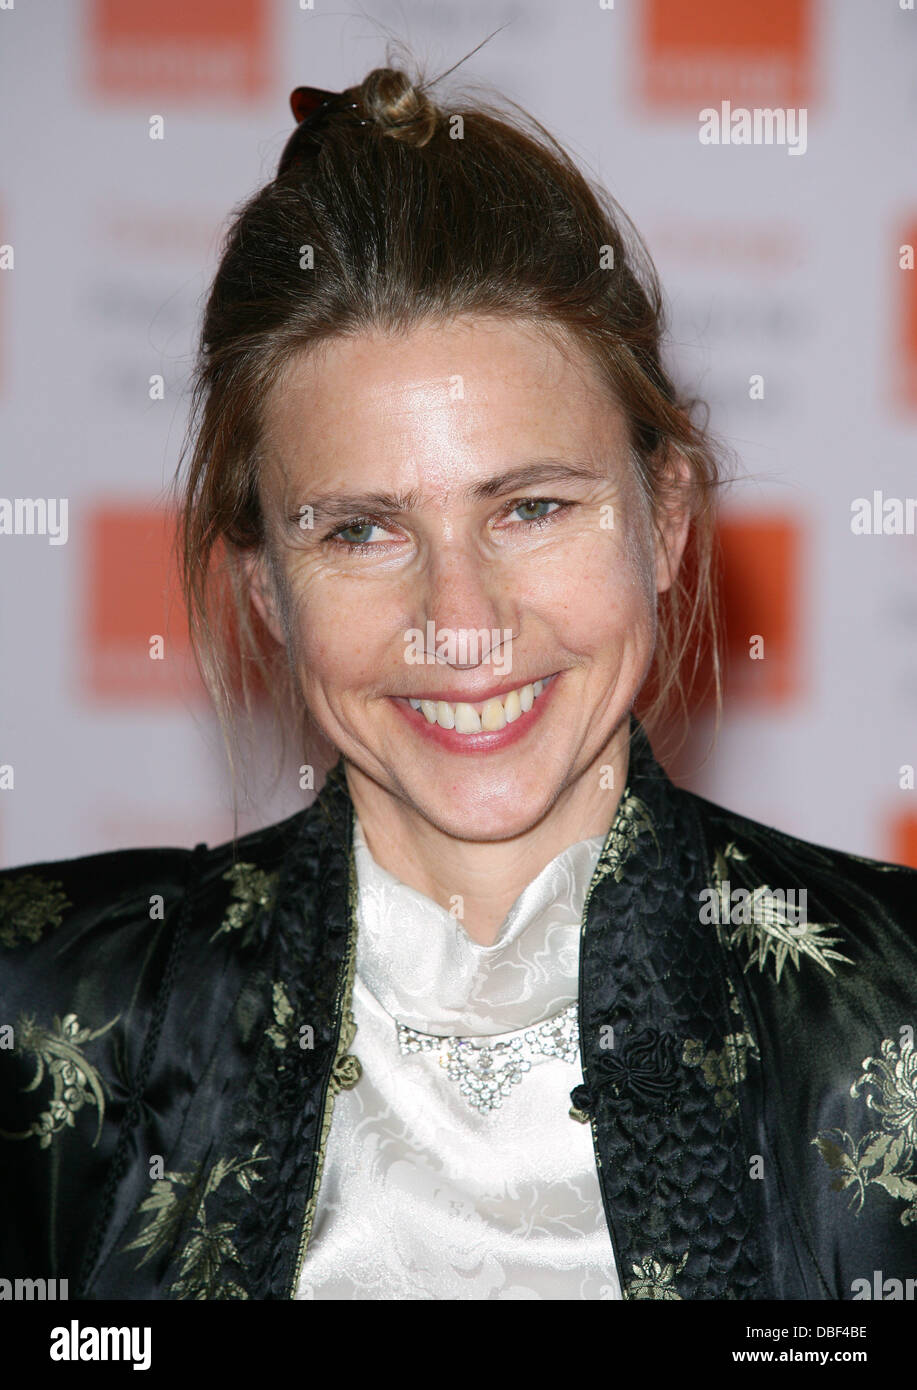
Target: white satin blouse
{"points": [[453, 1169]]}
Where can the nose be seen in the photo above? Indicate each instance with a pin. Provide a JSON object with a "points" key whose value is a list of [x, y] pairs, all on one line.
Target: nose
{"points": [[470, 602]]}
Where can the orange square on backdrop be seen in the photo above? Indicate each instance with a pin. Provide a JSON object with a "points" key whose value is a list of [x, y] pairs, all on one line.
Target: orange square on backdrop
{"points": [[905, 296], [694, 56], [173, 48], [902, 838], [760, 594], [133, 596]]}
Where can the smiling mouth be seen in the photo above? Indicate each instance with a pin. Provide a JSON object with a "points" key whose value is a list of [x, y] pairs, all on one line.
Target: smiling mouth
{"points": [[482, 716]]}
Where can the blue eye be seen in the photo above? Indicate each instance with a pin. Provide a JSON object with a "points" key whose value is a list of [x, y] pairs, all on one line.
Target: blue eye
{"points": [[338, 536], [537, 502], [355, 526]]}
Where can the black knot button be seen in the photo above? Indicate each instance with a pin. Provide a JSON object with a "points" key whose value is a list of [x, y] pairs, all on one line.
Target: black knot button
{"points": [[645, 1068], [581, 1108]]}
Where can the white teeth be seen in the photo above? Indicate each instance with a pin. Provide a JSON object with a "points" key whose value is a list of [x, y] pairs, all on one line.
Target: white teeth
{"points": [[467, 720], [495, 713]]}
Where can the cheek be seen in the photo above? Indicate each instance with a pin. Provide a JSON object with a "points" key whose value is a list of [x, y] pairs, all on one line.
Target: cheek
{"points": [[341, 633], [600, 593]]}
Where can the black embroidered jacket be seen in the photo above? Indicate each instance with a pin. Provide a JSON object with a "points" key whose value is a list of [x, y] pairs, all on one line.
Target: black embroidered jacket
{"points": [[175, 1025]]}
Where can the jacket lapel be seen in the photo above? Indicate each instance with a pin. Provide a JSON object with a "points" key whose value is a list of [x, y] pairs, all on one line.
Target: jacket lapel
{"points": [[302, 1060], [660, 1037]]}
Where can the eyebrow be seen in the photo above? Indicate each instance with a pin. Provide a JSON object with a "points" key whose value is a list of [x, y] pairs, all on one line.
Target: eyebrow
{"points": [[336, 506]]}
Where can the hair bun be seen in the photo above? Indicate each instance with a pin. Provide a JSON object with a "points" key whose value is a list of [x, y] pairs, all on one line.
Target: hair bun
{"points": [[399, 108]]}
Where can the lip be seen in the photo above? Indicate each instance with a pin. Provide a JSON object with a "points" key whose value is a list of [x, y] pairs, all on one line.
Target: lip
{"points": [[463, 695], [485, 741]]}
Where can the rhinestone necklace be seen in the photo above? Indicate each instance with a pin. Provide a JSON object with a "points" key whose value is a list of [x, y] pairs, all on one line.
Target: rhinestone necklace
{"points": [[487, 1072]]}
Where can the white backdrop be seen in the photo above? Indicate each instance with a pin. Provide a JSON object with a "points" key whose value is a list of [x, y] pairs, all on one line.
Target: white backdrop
{"points": [[779, 266]]}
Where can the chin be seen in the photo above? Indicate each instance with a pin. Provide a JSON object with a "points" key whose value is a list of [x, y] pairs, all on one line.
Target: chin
{"points": [[472, 810]]}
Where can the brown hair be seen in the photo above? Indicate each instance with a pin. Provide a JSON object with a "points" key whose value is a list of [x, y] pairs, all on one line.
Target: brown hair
{"points": [[426, 212]]}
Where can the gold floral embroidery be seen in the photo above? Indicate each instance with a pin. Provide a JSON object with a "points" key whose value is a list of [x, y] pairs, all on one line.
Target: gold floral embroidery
{"points": [[345, 1072], [208, 1248], [724, 1070], [76, 1081], [347, 1068], [281, 1030], [884, 1157], [29, 904], [770, 930], [655, 1280], [253, 888], [631, 819]]}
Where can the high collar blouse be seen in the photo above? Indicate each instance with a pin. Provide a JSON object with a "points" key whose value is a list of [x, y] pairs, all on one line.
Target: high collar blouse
{"points": [[454, 1169]]}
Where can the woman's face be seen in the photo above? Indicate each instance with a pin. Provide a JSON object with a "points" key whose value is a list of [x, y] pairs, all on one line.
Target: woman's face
{"points": [[419, 573]]}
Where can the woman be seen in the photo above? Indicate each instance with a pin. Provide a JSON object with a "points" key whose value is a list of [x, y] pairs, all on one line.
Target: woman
{"points": [[503, 1013]]}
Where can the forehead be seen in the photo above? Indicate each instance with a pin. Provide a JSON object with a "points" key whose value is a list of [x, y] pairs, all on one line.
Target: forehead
{"points": [[441, 402]]}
